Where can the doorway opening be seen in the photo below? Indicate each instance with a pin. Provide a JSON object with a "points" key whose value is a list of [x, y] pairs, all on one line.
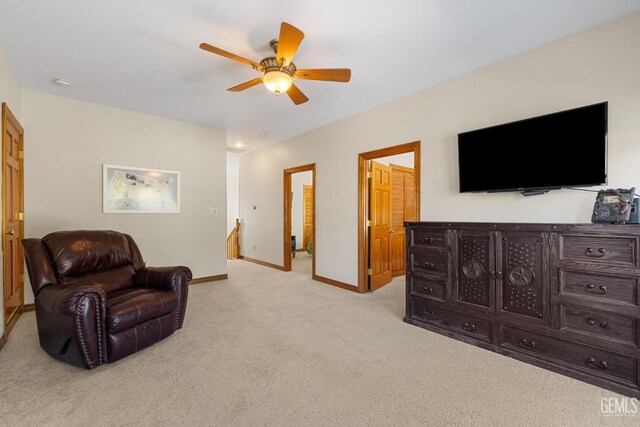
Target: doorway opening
{"points": [[388, 195], [12, 218], [299, 240]]}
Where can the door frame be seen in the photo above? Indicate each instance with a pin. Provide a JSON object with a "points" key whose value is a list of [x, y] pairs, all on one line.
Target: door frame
{"points": [[286, 215], [363, 201], [7, 116]]}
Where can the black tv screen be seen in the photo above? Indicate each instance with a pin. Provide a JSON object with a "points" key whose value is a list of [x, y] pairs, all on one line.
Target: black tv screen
{"points": [[565, 149]]}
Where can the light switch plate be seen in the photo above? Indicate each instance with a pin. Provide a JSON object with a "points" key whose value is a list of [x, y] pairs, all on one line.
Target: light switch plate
{"points": [[213, 211]]}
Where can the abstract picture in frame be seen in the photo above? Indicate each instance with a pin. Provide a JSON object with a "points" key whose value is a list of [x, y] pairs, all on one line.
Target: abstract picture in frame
{"points": [[127, 189]]}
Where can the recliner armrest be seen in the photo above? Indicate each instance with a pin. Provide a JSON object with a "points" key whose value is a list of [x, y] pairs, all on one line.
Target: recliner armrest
{"points": [[163, 278], [174, 279], [72, 325], [64, 299]]}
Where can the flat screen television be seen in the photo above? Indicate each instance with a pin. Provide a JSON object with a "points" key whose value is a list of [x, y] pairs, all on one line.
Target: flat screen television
{"points": [[559, 150]]}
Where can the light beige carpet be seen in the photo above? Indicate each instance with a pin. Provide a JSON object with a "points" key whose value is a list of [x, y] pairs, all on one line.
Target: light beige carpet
{"points": [[302, 263], [273, 348]]}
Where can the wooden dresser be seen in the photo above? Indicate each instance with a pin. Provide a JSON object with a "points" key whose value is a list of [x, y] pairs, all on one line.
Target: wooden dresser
{"points": [[560, 296]]}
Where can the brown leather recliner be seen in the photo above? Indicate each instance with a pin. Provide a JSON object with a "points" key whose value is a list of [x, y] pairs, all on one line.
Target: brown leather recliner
{"points": [[96, 301]]}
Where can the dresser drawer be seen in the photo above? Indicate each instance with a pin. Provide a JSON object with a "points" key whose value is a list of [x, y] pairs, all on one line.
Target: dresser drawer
{"points": [[599, 287], [594, 361], [436, 314], [428, 238], [596, 323], [599, 249], [431, 261], [427, 288]]}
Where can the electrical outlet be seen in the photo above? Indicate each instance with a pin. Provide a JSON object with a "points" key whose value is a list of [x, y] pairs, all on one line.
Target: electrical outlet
{"points": [[254, 247]]}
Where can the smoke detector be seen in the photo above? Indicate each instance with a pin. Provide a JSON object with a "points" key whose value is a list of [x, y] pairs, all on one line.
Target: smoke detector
{"points": [[61, 82]]}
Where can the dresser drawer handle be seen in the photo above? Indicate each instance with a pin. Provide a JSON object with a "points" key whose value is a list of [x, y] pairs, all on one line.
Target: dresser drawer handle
{"points": [[590, 252], [427, 290], [592, 321], [428, 265], [427, 240], [603, 289], [428, 313], [469, 327], [602, 365], [527, 344]]}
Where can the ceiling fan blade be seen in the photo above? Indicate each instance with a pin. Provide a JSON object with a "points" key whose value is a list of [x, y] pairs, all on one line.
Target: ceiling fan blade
{"points": [[288, 42], [246, 85], [296, 95], [221, 52], [326, 74]]}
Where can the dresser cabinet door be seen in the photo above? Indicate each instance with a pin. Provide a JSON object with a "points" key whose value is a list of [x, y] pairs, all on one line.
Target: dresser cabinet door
{"points": [[475, 270], [521, 275]]}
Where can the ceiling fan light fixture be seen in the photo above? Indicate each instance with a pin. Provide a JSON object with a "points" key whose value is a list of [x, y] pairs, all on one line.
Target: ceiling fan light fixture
{"points": [[278, 72], [277, 81]]}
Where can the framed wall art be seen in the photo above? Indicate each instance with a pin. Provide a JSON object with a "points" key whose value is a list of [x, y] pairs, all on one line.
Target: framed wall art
{"points": [[127, 189]]}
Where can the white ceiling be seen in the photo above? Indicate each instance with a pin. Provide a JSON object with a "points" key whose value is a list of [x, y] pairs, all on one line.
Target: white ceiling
{"points": [[143, 55]]}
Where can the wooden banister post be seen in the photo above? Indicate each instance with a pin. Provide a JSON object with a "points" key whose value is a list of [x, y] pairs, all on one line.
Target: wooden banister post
{"points": [[237, 248]]}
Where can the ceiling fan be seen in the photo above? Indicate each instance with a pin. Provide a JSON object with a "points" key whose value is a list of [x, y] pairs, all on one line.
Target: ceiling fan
{"points": [[279, 71]]}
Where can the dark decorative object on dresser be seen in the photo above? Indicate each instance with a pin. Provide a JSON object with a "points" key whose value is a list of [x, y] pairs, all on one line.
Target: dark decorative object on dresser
{"points": [[96, 301], [560, 296]]}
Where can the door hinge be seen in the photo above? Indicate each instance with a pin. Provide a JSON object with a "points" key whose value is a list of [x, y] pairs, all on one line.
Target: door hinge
{"points": [[369, 175], [21, 277], [368, 223], [20, 216], [369, 272], [20, 154]]}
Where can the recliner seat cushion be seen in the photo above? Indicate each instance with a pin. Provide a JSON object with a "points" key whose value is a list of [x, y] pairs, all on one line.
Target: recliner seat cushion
{"points": [[110, 280], [130, 307]]}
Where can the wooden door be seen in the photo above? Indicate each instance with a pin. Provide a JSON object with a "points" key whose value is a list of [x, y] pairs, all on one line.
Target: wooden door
{"points": [[380, 228], [12, 217], [403, 208], [307, 223]]}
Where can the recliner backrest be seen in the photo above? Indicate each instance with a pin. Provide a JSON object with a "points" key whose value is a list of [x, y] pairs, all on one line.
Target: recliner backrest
{"points": [[81, 252], [107, 259]]}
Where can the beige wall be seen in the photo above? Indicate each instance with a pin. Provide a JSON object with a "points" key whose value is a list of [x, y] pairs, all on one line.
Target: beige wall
{"points": [[10, 89], [596, 65], [405, 160], [11, 94], [233, 175], [67, 143]]}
